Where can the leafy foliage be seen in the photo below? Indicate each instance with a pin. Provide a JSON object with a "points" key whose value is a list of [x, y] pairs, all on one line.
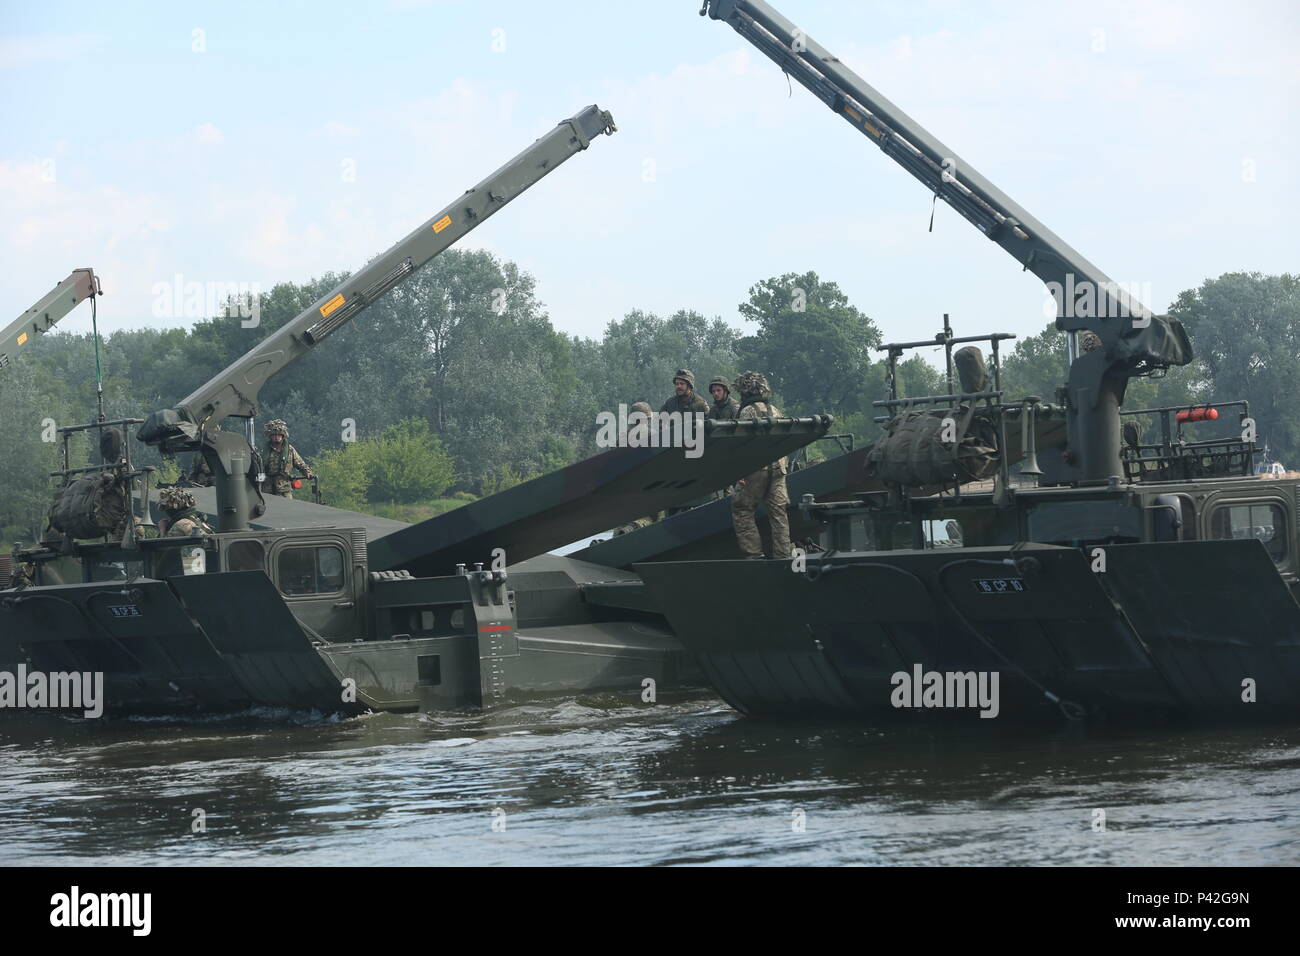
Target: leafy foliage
{"points": [[815, 347], [342, 472], [407, 463], [1245, 328], [457, 384]]}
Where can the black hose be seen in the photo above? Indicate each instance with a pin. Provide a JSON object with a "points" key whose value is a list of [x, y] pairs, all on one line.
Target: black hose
{"points": [[1071, 709]]}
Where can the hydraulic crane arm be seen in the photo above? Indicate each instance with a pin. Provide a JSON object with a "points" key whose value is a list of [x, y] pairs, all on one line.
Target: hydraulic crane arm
{"points": [[234, 391], [192, 425], [1135, 342], [1065, 271], [54, 305]]}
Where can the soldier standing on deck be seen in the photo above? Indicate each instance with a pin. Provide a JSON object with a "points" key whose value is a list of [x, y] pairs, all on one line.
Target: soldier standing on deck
{"points": [[281, 460], [724, 407], [684, 398], [767, 485]]}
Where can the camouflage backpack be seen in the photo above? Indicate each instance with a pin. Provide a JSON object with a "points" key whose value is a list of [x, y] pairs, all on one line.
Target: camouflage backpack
{"points": [[91, 506], [913, 451]]}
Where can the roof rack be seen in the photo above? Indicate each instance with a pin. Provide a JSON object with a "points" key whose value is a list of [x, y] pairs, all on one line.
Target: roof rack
{"points": [[1175, 458]]}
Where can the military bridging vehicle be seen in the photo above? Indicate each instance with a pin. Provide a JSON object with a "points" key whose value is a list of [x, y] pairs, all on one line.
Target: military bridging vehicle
{"points": [[294, 604], [1115, 579]]}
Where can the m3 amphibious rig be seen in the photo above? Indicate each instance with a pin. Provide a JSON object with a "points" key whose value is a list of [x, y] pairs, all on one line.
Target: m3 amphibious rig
{"points": [[1118, 578]]}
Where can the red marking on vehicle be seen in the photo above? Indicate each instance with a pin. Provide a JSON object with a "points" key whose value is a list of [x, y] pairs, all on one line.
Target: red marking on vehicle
{"points": [[495, 627]]}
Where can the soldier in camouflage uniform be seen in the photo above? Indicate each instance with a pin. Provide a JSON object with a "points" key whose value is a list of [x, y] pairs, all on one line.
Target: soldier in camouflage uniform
{"points": [[23, 574], [281, 460], [767, 485], [684, 398], [724, 407], [183, 519]]}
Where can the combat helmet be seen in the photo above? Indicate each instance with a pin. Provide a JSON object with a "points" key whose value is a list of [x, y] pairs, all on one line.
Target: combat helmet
{"points": [[720, 380], [175, 499], [642, 407], [686, 375], [753, 383], [277, 426]]}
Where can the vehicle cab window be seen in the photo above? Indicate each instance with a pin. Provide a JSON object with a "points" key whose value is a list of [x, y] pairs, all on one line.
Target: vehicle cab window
{"points": [[247, 555], [119, 568], [183, 556], [1261, 520], [310, 570]]}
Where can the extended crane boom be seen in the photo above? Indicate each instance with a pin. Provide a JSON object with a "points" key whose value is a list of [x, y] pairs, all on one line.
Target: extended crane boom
{"points": [[192, 425], [54, 305], [910, 145], [1135, 342]]}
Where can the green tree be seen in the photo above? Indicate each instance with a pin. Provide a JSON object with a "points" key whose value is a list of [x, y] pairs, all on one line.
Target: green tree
{"points": [[500, 479], [1036, 366], [344, 474], [407, 463], [637, 356], [25, 458], [813, 345], [1245, 330]]}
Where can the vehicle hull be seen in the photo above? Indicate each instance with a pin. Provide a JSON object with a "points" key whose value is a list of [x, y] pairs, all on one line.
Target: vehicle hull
{"points": [[1174, 630], [223, 642]]}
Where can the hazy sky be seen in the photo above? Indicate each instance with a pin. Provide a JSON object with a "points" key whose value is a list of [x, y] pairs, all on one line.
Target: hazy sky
{"points": [[285, 140]]}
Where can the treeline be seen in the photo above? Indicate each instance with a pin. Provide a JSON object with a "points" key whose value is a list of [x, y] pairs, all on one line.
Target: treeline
{"points": [[456, 384]]}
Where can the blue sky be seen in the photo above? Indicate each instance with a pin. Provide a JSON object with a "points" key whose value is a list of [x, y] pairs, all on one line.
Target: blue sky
{"points": [[1158, 138]]}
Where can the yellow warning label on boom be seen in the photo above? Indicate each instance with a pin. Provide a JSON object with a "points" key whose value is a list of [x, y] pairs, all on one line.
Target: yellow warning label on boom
{"points": [[22, 338], [331, 305], [442, 224]]}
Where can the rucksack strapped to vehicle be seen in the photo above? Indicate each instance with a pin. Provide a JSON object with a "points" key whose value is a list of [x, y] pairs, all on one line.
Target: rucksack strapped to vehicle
{"points": [[936, 446]]}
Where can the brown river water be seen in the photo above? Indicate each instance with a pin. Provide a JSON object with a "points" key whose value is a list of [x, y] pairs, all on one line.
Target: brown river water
{"points": [[596, 780]]}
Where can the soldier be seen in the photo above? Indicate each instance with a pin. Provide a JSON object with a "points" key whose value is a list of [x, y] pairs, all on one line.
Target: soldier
{"points": [[23, 574], [644, 409], [724, 407], [281, 460], [765, 485], [684, 398], [182, 519]]}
